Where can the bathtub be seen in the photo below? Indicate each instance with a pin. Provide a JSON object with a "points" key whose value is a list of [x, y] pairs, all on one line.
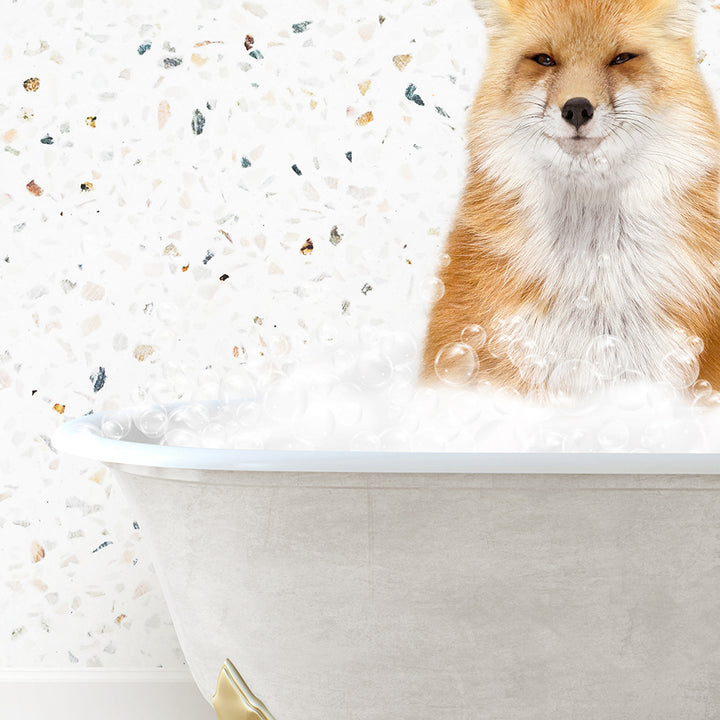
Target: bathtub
{"points": [[411, 586]]}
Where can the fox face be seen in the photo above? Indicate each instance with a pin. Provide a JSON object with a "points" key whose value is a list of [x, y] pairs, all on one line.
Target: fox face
{"points": [[590, 88]]}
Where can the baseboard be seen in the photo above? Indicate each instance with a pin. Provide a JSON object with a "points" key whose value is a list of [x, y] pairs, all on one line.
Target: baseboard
{"points": [[94, 693]]}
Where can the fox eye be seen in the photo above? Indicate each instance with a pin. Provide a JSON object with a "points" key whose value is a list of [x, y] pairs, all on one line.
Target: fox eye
{"points": [[623, 58], [543, 59]]}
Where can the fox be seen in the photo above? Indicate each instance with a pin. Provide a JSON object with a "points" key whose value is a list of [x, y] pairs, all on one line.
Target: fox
{"points": [[586, 242]]}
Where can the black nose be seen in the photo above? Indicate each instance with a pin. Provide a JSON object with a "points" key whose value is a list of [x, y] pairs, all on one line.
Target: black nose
{"points": [[577, 111]]}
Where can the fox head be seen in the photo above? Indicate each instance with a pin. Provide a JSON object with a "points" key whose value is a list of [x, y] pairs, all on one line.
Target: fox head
{"points": [[582, 88], [677, 16]]}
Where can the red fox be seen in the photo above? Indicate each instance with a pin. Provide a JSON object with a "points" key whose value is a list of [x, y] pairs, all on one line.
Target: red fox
{"points": [[588, 234]]}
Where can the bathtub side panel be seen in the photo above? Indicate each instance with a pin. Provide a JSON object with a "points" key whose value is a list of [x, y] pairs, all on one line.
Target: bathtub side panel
{"points": [[367, 602]]}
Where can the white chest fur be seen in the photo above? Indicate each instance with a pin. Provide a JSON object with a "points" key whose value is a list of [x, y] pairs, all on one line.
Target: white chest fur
{"points": [[610, 263]]}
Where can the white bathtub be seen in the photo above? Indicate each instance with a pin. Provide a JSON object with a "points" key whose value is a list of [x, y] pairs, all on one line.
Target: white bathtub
{"points": [[361, 586]]}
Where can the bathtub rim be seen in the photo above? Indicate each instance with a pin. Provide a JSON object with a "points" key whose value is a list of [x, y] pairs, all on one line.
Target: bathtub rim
{"points": [[76, 437]]}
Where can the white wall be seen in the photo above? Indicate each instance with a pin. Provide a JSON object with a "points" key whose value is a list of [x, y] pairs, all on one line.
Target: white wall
{"points": [[112, 294]]}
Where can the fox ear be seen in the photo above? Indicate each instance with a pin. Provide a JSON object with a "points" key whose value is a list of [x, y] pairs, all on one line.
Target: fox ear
{"points": [[681, 17], [493, 12]]}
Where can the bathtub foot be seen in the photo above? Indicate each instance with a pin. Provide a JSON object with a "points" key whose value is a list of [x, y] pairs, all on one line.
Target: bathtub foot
{"points": [[233, 699]]}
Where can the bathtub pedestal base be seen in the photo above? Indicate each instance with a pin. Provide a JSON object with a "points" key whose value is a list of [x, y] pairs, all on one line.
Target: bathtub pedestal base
{"points": [[233, 700]]}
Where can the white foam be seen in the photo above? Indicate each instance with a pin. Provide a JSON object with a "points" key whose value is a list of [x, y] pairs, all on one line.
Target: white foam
{"points": [[374, 404]]}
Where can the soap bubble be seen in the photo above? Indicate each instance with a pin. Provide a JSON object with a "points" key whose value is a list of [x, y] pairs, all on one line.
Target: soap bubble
{"points": [[365, 441], [427, 400], [498, 435], [549, 441], [316, 426], [244, 440], [444, 260], [610, 355], [346, 400], [285, 399], [498, 345], [578, 440], [685, 435], [701, 390], [515, 327], [515, 352], [583, 302], [248, 414], [572, 379], [225, 413], [678, 336], [265, 372], [152, 421], [496, 323], [713, 400], [552, 358], [401, 392], [468, 407], [629, 377], [521, 348], [399, 347], [116, 425], [633, 393], [456, 363], [300, 339], [370, 335], [293, 444], [661, 395], [432, 289], [343, 361], [534, 370], [208, 375], [653, 437], [412, 422], [474, 336], [236, 385], [140, 395], [680, 368], [193, 416], [214, 435], [327, 334], [695, 344], [177, 377], [179, 437], [505, 399], [207, 386], [279, 346], [374, 369], [396, 440], [537, 396], [613, 436], [88, 429], [162, 392]]}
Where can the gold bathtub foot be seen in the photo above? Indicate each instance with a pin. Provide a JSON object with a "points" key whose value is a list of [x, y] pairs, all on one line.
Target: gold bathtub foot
{"points": [[233, 699]]}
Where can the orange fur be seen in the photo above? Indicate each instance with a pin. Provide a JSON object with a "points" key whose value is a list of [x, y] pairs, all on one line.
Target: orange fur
{"points": [[484, 279]]}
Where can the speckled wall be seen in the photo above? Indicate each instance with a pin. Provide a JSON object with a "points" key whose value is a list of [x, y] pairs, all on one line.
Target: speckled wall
{"points": [[182, 192]]}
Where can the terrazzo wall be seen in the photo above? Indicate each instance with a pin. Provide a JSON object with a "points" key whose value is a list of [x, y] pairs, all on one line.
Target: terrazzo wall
{"points": [[184, 191]]}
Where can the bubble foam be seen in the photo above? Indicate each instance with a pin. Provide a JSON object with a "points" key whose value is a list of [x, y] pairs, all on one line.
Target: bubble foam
{"points": [[371, 401]]}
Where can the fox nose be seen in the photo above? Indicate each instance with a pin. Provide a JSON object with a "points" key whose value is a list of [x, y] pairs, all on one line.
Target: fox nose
{"points": [[577, 111]]}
